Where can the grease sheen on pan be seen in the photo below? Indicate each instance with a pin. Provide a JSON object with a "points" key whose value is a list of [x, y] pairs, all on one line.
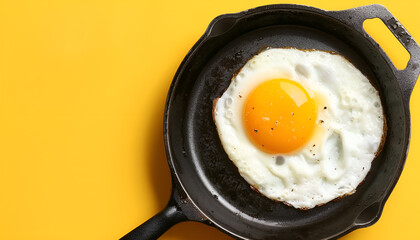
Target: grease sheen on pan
{"points": [[302, 127]]}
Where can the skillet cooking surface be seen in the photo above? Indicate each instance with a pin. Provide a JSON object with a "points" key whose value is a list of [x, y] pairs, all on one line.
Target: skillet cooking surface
{"points": [[205, 147]]}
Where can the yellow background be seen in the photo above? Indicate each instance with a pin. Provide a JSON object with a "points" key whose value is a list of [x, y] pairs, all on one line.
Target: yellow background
{"points": [[82, 92]]}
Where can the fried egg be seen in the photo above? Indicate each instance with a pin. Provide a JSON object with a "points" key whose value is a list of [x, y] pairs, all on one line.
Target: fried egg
{"points": [[301, 126]]}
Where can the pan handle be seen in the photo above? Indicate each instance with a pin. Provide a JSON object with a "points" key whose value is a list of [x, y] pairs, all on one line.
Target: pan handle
{"points": [[356, 16], [158, 224]]}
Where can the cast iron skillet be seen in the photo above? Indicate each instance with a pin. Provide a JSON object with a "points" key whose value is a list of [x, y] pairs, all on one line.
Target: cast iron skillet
{"points": [[207, 186]]}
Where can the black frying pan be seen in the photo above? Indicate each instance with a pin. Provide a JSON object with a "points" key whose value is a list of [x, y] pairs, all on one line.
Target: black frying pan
{"points": [[207, 186]]}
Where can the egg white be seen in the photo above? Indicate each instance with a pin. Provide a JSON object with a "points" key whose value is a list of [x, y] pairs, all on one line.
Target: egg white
{"points": [[338, 156]]}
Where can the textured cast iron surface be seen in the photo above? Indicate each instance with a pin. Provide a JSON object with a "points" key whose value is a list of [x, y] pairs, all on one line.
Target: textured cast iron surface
{"points": [[211, 189]]}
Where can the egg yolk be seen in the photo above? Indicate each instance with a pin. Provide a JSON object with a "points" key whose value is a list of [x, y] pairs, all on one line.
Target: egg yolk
{"points": [[279, 116]]}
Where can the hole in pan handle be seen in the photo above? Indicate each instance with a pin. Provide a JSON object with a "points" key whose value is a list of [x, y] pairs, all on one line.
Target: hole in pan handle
{"points": [[356, 16], [158, 224]]}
